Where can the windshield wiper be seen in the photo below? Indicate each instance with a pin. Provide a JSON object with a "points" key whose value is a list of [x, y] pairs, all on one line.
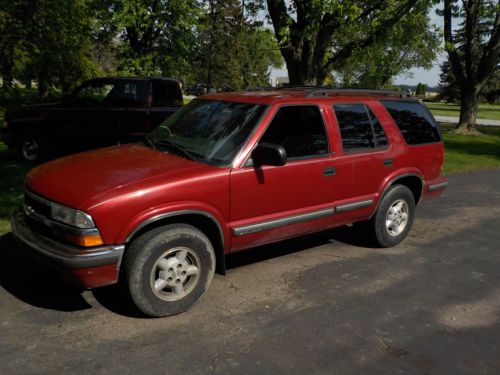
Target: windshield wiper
{"points": [[178, 150]]}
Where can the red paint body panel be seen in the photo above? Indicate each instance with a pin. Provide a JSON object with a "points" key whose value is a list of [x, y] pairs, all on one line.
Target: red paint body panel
{"points": [[124, 187], [93, 277]]}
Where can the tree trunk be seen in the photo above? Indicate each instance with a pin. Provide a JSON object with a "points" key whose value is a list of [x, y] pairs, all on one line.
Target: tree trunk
{"points": [[468, 112], [295, 73]]}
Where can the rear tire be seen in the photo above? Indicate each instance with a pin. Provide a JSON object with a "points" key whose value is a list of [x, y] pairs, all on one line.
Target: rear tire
{"points": [[394, 217], [167, 269]]}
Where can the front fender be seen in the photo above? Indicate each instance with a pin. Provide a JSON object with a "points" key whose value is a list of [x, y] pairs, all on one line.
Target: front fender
{"points": [[146, 217]]}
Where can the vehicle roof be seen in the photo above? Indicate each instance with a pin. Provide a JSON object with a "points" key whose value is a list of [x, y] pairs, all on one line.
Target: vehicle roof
{"points": [[270, 96]]}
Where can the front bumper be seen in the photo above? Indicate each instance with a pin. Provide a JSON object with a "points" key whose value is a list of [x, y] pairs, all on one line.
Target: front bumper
{"points": [[88, 268]]}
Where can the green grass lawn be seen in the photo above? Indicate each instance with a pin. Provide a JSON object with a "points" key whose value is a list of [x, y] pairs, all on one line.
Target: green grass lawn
{"points": [[12, 174], [470, 153], [486, 111]]}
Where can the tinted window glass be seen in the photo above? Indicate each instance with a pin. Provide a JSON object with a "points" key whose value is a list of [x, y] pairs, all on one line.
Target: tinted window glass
{"points": [[300, 130], [355, 127], [414, 121], [128, 94], [93, 92], [207, 130], [166, 93], [378, 131]]}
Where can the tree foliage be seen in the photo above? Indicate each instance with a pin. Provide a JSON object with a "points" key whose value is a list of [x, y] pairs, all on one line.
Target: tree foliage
{"points": [[318, 36], [48, 41], [413, 42], [473, 52], [235, 51]]}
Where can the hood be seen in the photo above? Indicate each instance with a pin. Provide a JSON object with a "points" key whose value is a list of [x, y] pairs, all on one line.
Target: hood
{"points": [[75, 179]]}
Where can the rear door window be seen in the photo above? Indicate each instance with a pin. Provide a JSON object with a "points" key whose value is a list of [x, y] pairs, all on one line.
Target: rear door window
{"points": [[359, 128], [414, 121]]}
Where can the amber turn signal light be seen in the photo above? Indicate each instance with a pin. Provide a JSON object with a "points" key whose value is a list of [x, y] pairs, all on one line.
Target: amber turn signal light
{"points": [[84, 241]]}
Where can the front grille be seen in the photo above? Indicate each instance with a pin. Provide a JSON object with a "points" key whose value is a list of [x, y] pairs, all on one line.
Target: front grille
{"points": [[38, 205]]}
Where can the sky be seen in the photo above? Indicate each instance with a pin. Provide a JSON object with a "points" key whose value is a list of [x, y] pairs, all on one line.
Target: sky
{"points": [[428, 77]]}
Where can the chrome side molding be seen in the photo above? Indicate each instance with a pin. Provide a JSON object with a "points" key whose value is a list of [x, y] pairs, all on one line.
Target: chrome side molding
{"points": [[439, 186], [271, 224], [354, 206]]}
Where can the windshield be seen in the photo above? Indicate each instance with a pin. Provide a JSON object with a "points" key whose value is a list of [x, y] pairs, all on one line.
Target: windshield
{"points": [[209, 131]]}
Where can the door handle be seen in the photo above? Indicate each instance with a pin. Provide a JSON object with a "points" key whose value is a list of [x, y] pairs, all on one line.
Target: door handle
{"points": [[388, 163], [329, 171]]}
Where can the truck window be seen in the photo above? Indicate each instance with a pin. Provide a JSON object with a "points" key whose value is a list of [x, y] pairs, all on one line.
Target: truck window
{"points": [[93, 93], [129, 94], [166, 93], [414, 121], [300, 130], [359, 128]]}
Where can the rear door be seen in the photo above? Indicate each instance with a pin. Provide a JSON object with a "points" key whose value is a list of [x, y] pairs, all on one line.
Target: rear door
{"points": [[269, 203], [91, 116], [366, 159]]}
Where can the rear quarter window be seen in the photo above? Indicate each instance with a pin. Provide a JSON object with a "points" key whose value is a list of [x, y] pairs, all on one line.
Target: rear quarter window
{"points": [[414, 121]]}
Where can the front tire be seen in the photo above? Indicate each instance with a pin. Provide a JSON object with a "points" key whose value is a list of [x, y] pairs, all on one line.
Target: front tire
{"points": [[394, 217], [167, 269]]}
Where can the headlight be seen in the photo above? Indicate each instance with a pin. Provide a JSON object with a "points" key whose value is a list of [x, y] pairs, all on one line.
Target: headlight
{"points": [[71, 216]]}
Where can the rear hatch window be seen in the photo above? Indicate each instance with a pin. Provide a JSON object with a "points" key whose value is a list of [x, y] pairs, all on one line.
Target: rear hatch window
{"points": [[416, 123]]}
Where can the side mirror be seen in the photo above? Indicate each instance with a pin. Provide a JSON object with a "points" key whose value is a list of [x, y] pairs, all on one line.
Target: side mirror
{"points": [[269, 154]]}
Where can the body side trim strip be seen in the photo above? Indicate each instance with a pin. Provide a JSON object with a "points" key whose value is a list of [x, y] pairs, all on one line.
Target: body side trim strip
{"points": [[259, 227], [354, 206], [438, 186]]}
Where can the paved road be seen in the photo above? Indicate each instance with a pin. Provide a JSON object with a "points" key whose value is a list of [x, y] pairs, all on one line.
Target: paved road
{"points": [[479, 121], [326, 304]]}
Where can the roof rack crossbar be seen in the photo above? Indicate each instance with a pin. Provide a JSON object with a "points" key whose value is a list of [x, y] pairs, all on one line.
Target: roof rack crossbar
{"points": [[356, 92], [326, 91]]}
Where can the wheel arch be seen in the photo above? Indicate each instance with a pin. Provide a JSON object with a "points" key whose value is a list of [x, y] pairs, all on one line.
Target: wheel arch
{"points": [[201, 220], [412, 181]]}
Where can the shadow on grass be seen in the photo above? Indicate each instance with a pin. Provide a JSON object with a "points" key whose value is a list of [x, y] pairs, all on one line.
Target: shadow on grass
{"points": [[12, 173], [474, 147]]}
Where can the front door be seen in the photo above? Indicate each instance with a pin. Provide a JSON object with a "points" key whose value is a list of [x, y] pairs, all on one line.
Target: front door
{"points": [[270, 203]]}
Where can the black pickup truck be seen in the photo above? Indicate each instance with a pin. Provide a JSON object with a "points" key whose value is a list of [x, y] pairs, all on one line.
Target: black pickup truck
{"points": [[100, 112]]}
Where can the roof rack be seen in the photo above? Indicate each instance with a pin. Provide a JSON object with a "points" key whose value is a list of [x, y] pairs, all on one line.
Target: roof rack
{"points": [[327, 91]]}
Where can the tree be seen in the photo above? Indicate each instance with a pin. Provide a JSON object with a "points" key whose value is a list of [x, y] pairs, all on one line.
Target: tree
{"points": [[157, 35], [236, 51], [420, 90], [473, 52], [412, 42], [317, 36], [449, 90]]}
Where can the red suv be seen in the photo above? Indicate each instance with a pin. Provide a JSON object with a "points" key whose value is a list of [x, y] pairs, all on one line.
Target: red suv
{"points": [[228, 172]]}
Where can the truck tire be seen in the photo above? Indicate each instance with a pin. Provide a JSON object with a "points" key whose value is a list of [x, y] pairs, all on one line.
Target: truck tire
{"points": [[394, 217], [31, 148], [167, 269]]}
